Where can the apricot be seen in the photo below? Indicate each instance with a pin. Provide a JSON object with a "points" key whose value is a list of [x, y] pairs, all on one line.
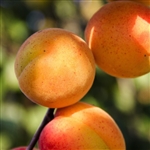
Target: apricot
{"points": [[81, 126], [145, 2], [119, 36], [54, 68]]}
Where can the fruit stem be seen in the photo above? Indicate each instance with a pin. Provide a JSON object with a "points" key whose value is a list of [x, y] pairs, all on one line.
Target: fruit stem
{"points": [[48, 117]]}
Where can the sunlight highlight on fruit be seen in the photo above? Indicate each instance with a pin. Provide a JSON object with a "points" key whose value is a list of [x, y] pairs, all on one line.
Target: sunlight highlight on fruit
{"points": [[141, 33]]}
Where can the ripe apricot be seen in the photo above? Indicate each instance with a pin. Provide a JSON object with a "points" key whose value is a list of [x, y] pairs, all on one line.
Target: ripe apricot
{"points": [[81, 126], [55, 68], [119, 37]]}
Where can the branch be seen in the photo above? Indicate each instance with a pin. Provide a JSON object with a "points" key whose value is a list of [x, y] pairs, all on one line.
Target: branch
{"points": [[48, 117]]}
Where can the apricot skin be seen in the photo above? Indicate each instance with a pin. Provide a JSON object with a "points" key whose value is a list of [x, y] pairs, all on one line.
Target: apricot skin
{"points": [[68, 134], [55, 68], [118, 35], [81, 126]]}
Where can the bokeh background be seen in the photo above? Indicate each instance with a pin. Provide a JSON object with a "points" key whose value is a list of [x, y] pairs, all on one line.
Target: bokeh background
{"points": [[126, 100]]}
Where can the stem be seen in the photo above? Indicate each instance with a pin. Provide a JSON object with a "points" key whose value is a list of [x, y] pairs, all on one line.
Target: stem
{"points": [[48, 117]]}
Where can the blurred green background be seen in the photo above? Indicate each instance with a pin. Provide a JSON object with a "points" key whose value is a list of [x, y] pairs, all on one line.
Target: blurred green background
{"points": [[126, 100]]}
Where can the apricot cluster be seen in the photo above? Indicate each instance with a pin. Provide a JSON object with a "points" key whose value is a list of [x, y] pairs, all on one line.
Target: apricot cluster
{"points": [[56, 68]]}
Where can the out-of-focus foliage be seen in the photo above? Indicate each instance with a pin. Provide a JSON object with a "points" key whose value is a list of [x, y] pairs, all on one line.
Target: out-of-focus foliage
{"points": [[126, 100]]}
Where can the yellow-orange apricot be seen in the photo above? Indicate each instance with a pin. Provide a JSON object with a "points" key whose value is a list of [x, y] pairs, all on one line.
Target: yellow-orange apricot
{"points": [[81, 126], [55, 68], [145, 2], [119, 37]]}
